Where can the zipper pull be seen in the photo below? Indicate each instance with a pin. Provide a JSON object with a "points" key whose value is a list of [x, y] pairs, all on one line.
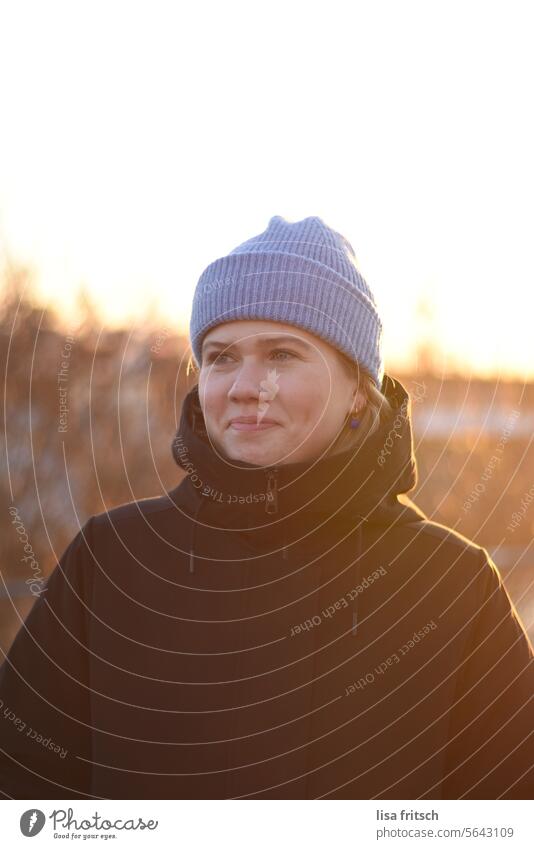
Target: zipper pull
{"points": [[271, 505]]}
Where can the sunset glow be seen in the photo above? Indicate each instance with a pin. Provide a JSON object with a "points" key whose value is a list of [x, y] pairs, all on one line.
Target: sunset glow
{"points": [[143, 141]]}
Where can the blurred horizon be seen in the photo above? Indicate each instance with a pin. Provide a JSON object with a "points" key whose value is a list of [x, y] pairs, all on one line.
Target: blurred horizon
{"points": [[20, 280], [90, 413], [137, 151]]}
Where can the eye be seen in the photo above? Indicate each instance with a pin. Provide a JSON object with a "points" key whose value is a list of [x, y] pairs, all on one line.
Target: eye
{"points": [[218, 359], [283, 351], [215, 358]]}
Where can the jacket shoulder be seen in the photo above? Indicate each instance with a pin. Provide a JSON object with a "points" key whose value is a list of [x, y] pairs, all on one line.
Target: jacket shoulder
{"points": [[133, 510], [436, 532]]}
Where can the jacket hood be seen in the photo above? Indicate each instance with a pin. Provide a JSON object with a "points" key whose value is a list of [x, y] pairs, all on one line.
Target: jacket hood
{"points": [[368, 482]]}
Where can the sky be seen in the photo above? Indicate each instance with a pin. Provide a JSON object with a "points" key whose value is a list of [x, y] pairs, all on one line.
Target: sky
{"points": [[142, 140]]}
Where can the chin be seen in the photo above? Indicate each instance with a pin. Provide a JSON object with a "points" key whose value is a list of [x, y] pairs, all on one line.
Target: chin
{"points": [[258, 455]]}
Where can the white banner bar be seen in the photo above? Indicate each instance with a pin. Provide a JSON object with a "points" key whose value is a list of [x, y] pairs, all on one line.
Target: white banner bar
{"points": [[269, 824]]}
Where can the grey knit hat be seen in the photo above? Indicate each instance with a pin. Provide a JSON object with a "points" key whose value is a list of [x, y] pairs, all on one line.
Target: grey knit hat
{"points": [[302, 273]]}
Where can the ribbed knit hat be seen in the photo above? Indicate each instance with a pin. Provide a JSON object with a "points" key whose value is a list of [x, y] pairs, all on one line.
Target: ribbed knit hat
{"points": [[302, 273]]}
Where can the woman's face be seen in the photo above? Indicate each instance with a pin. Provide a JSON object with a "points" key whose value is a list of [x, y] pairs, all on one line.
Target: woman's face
{"points": [[272, 393]]}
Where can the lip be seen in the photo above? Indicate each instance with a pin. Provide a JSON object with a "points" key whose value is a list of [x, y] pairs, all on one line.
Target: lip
{"points": [[250, 423]]}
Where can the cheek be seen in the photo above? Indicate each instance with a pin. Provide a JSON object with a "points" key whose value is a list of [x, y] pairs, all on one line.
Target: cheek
{"points": [[213, 395], [320, 385], [211, 384], [307, 398]]}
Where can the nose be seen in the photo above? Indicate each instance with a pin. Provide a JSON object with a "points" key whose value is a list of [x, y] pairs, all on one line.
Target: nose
{"points": [[246, 385]]}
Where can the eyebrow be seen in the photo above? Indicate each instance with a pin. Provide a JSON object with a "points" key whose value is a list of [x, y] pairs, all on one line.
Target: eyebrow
{"points": [[263, 343]]}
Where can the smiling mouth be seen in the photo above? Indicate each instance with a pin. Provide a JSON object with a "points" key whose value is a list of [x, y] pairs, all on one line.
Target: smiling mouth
{"points": [[251, 426]]}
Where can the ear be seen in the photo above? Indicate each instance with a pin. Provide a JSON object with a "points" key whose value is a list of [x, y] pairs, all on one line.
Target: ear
{"points": [[359, 400]]}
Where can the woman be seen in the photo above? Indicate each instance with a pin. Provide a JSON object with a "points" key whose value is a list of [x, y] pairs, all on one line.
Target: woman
{"points": [[285, 623]]}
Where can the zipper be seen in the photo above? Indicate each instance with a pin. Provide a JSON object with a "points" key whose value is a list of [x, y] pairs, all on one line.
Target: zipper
{"points": [[271, 504]]}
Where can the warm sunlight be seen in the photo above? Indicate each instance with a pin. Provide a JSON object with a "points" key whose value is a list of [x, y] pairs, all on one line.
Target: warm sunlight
{"points": [[128, 177], [267, 503]]}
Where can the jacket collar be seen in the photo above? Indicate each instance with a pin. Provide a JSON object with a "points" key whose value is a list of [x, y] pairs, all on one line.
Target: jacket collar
{"points": [[366, 483]]}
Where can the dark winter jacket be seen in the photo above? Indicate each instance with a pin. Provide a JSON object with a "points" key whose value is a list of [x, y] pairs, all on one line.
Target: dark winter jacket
{"points": [[302, 631]]}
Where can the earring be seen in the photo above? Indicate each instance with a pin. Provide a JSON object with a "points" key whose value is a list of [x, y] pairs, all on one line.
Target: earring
{"points": [[354, 422]]}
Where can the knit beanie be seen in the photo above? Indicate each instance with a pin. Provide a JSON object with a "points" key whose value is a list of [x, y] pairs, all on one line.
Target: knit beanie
{"points": [[302, 273]]}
